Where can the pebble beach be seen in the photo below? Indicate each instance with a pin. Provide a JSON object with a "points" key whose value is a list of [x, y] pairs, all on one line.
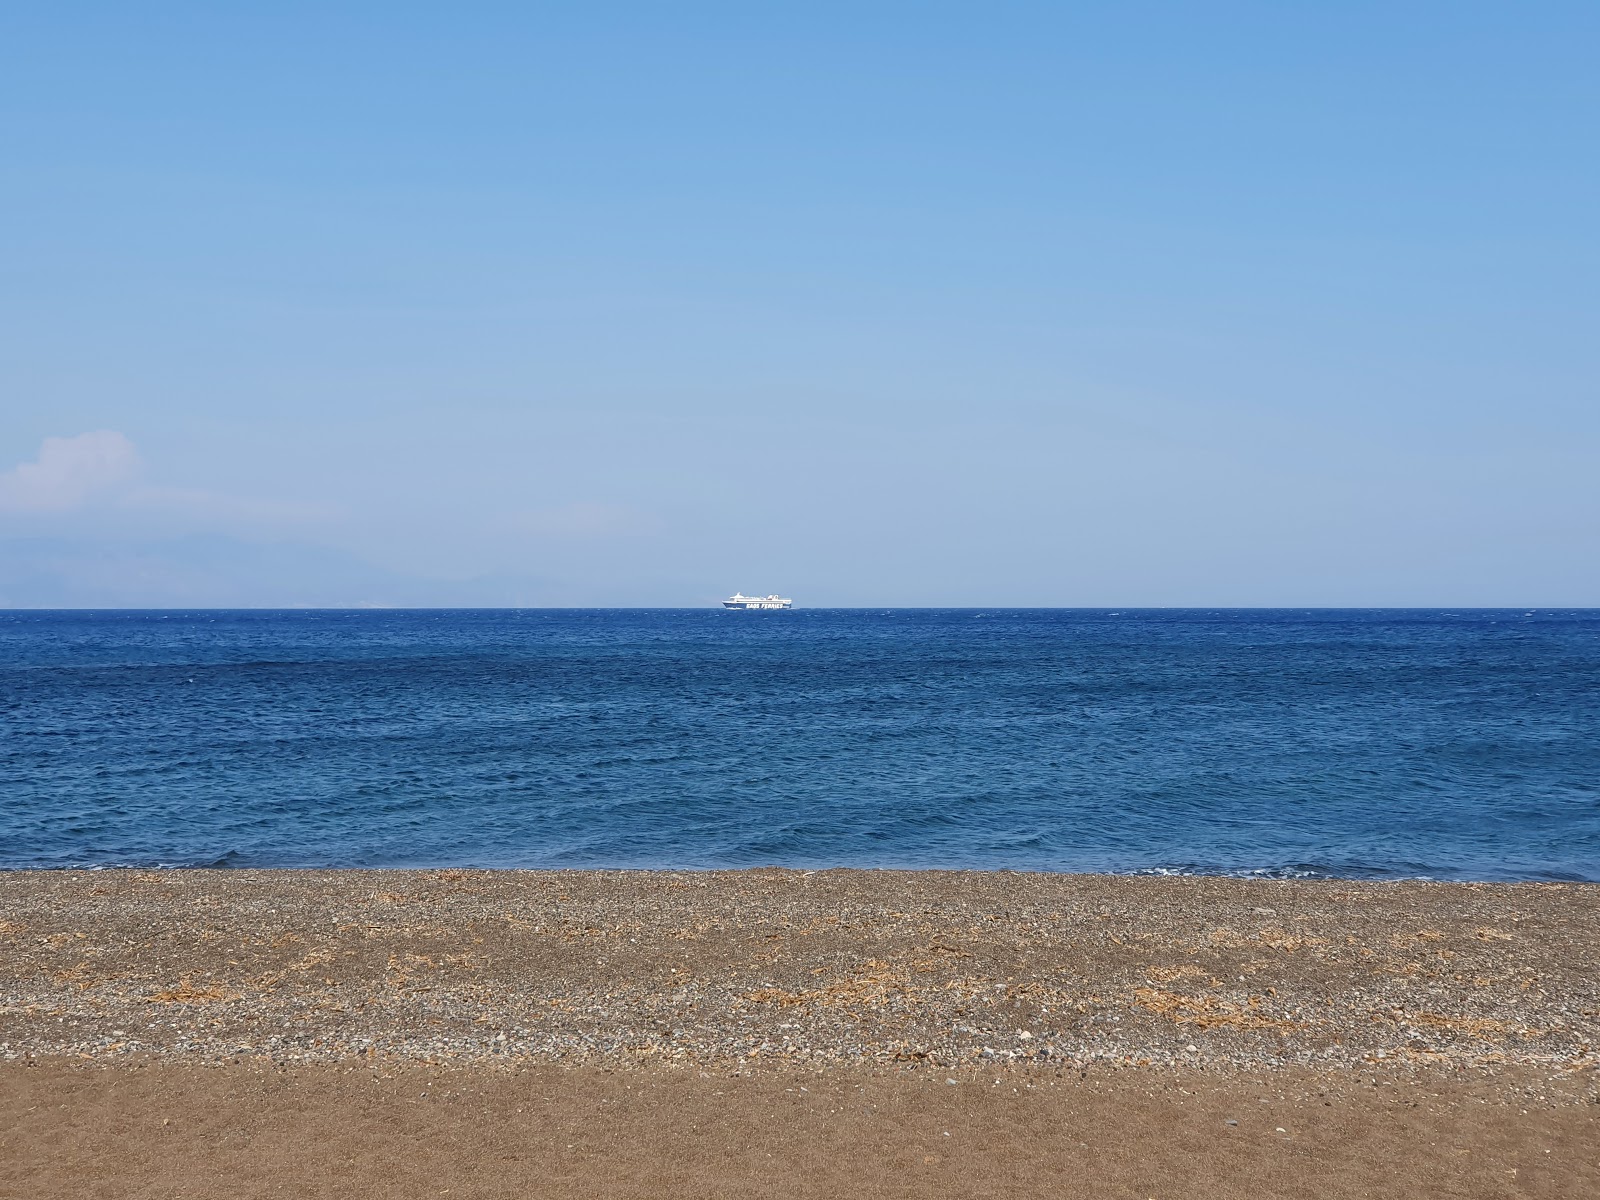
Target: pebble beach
{"points": [[918, 984]]}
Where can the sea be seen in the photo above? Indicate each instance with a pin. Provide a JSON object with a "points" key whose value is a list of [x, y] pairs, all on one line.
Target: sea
{"points": [[1439, 744]]}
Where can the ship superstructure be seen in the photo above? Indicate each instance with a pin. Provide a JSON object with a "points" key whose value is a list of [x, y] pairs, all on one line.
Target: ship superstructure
{"points": [[745, 603]]}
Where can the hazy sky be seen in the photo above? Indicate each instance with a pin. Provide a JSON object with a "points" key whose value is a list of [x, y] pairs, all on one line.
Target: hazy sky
{"points": [[923, 303]]}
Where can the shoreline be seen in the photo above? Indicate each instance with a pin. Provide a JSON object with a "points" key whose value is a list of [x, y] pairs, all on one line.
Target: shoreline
{"points": [[1254, 875]]}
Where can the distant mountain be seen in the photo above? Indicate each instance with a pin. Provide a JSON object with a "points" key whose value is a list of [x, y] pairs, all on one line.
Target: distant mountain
{"points": [[213, 571]]}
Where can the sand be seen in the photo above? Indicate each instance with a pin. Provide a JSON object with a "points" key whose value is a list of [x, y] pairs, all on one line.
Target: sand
{"points": [[241, 1033]]}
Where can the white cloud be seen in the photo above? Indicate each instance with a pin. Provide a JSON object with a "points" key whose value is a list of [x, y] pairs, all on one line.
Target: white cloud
{"points": [[70, 472], [99, 476]]}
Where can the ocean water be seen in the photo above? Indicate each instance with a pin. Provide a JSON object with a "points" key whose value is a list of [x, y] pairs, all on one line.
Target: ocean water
{"points": [[1443, 744]]}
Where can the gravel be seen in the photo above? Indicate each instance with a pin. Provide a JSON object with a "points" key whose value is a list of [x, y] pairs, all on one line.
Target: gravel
{"points": [[801, 969]]}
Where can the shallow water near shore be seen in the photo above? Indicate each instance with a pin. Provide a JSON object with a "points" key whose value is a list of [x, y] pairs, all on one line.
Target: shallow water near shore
{"points": [[1394, 743]]}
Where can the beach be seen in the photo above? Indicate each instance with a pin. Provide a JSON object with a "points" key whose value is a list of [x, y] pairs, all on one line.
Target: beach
{"points": [[778, 1032]]}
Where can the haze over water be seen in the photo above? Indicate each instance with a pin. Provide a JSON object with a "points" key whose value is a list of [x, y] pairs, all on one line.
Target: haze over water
{"points": [[1448, 744]]}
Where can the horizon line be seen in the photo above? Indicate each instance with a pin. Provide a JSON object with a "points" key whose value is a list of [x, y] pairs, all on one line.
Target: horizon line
{"points": [[1110, 608]]}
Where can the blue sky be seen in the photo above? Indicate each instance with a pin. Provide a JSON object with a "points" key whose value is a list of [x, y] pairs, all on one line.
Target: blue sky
{"points": [[1078, 304]]}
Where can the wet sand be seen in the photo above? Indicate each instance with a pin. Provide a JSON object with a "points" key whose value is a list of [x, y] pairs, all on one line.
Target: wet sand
{"points": [[787, 1033]]}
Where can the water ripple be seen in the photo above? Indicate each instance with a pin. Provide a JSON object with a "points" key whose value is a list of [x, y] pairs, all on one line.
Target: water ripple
{"points": [[1449, 745]]}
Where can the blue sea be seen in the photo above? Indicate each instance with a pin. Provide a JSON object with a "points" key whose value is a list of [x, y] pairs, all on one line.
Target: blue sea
{"points": [[1440, 744]]}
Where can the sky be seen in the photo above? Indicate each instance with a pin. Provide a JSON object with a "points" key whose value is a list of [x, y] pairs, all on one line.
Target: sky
{"points": [[1032, 304]]}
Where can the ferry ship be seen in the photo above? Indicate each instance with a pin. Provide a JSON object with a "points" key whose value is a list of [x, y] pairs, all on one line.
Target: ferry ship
{"points": [[745, 603]]}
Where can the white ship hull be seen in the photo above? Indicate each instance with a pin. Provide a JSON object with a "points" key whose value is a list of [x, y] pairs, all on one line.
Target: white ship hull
{"points": [[742, 603]]}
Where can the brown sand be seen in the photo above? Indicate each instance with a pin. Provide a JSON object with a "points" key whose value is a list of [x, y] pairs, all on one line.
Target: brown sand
{"points": [[784, 1033], [173, 1130]]}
